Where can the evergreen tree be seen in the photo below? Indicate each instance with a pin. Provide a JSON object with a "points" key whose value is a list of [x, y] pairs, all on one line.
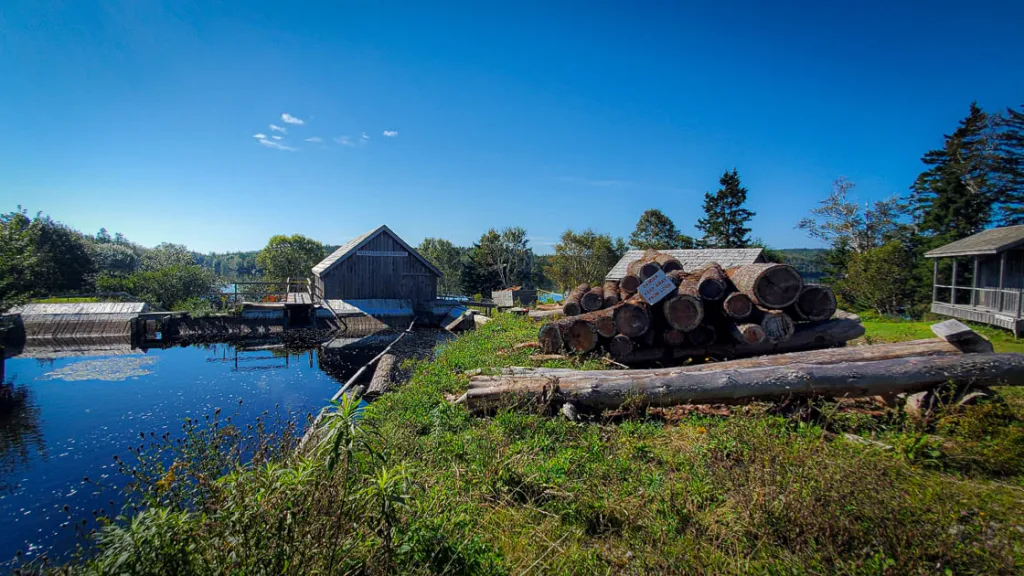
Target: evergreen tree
{"points": [[1010, 152], [725, 218], [655, 231], [954, 197]]}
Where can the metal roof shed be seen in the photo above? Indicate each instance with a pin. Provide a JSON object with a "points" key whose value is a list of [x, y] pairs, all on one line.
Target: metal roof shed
{"points": [[694, 259]]}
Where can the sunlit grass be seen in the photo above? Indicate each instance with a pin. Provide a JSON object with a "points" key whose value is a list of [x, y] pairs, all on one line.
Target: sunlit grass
{"points": [[422, 487]]}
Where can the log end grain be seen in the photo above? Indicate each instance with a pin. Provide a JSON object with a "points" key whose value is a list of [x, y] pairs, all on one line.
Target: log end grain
{"points": [[592, 300], [778, 286], [738, 305], [550, 338], [749, 334], [629, 283], [712, 289], [605, 326], [648, 269], [581, 336], [683, 312], [632, 319], [703, 335], [620, 346], [777, 325], [572, 309], [816, 303], [674, 338]]}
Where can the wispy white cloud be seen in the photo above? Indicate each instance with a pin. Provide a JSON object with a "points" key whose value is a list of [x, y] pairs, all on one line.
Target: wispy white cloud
{"points": [[276, 137], [260, 136], [365, 137], [289, 119], [276, 128], [344, 140], [315, 139], [390, 133], [277, 145]]}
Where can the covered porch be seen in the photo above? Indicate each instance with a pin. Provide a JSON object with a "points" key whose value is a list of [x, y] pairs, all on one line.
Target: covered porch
{"points": [[981, 278]]}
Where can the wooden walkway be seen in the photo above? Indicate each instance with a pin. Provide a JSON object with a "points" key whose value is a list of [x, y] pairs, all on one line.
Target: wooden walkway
{"points": [[299, 299]]}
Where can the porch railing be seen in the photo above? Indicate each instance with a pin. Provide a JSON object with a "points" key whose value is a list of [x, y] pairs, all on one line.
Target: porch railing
{"points": [[1003, 301]]}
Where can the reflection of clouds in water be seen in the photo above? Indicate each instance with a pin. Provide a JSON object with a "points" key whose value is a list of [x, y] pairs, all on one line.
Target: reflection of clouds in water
{"points": [[20, 433], [108, 369]]}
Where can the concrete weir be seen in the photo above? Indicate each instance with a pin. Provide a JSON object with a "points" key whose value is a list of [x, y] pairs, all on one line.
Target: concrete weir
{"points": [[135, 325]]}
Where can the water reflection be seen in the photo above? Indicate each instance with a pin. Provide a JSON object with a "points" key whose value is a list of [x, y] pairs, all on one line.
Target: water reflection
{"points": [[21, 436]]}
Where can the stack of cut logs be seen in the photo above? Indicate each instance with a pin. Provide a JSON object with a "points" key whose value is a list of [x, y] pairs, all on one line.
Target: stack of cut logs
{"points": [[741, 311]]}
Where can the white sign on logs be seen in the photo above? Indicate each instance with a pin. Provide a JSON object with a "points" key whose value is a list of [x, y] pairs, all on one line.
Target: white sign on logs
{"points": [[655, 288]]}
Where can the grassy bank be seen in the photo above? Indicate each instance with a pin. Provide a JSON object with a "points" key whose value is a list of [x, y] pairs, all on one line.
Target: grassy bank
{"points": [[880, 329], [420, 487]]}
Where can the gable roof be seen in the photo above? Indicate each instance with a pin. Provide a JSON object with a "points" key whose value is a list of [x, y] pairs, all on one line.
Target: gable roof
{"points": [[992, 241], [694, 259], [352, 246]]}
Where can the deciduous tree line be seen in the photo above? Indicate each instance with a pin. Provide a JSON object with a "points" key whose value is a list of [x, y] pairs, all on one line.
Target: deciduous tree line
{"points": [[973, 181]]}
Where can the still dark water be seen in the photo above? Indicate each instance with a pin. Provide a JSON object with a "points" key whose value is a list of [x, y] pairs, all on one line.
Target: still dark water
{"points": [[70, 416]]}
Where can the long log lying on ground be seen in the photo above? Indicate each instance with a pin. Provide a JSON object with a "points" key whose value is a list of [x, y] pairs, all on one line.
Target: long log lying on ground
{"points": [[592, 300], [815, 303], [595, 391], [768, 285], [611, 293], [713, 283], [572, 305], [874, 352], [382, 381], [808, 336]]}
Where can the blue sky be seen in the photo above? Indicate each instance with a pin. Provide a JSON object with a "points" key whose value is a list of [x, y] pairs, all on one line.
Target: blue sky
{"points": [[140, 116]]}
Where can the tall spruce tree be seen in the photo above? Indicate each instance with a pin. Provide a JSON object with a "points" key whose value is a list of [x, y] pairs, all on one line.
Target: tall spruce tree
{"points": [[954, 197], [725, 218], [1010, 169]]}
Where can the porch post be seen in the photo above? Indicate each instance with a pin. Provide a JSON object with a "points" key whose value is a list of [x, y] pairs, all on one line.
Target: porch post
{"points": [[952, 290], [935, 280], [1002, 280], [974, 283]]}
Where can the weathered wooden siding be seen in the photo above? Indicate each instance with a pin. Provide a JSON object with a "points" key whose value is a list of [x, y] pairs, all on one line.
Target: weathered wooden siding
{"points": [[377, 271]]}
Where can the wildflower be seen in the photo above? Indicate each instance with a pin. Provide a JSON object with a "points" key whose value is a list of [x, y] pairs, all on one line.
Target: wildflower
{"points": [[701, 430]]}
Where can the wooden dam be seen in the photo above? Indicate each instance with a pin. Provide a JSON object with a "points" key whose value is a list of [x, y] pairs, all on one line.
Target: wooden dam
{"points": [[374, 282]]}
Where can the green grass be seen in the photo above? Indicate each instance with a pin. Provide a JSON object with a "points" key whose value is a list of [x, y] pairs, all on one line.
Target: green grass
{"points": [[419, 486], [881, 329]]}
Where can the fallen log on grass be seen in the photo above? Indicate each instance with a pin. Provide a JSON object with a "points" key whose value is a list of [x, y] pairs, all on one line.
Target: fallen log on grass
{"points": [[382, 379], [923, 347], [597, 390]]}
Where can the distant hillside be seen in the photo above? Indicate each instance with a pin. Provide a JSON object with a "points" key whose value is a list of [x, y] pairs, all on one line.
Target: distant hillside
{"points": [[807, 260]]}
